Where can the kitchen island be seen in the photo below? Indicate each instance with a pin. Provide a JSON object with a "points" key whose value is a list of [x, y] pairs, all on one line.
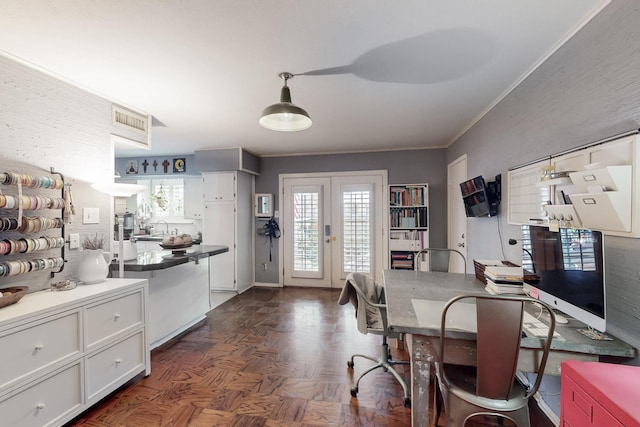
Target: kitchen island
{"points": [[179, 295]]}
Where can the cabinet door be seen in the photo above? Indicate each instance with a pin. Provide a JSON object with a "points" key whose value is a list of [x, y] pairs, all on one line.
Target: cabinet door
{"points": [[193, 198], [219, 229], [219, 187], [49, 401]]}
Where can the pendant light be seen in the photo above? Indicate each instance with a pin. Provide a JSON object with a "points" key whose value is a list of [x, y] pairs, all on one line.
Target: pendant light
{"points": [[284, 116]]}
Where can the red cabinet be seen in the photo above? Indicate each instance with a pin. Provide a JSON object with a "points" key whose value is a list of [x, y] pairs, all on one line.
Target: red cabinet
{"points": [[599, 394]]}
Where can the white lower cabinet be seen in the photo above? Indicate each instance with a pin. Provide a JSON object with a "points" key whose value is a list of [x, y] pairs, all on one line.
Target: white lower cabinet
{"points": [[50, 401], [113, 366], [64, 351]]}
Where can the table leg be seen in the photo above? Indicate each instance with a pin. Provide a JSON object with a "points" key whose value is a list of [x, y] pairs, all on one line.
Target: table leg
{"points": [[420, 379]]}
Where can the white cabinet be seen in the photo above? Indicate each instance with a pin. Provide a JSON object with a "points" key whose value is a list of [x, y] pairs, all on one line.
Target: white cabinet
{"points": [[220, 229], [230, 223], [193, 198], [63, 351], [219, 186]]}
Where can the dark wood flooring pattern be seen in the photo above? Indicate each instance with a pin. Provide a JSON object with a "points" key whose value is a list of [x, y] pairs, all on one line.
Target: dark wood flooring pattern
{"points": [[269, 357]]}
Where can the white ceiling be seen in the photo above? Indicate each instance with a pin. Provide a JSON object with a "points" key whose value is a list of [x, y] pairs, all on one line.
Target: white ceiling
{"points": [[383, 74]]}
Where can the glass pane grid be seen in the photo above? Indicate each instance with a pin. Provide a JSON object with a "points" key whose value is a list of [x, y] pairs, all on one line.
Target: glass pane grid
{"points": [[306, 236], [356, 231]]}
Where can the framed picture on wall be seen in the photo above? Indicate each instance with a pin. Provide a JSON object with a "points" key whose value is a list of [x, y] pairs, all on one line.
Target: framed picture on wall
{"points": [[132, 167], [179, 165]]}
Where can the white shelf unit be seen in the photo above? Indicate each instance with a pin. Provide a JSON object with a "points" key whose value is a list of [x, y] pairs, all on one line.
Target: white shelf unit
{"points": [[603, 198], [603, 189], [408, 223]]}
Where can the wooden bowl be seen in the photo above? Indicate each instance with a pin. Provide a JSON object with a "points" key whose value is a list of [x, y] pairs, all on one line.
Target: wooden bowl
{"points": [[174, 247], [17, 292]]}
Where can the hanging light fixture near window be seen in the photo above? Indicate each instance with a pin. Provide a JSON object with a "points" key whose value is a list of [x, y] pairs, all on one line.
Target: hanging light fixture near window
{"points": [[285, 116]]}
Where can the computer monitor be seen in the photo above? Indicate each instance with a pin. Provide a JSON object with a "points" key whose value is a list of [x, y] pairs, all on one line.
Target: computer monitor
{"points": [[569, 271]]}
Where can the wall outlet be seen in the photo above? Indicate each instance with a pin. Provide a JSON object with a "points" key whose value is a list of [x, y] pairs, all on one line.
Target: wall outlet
{"points": [[74, 241]]}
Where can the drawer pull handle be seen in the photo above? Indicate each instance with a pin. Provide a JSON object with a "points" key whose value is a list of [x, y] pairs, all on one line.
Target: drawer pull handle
{"points": [[118, 361], [39, 347], [116, 316], [40, 406]]}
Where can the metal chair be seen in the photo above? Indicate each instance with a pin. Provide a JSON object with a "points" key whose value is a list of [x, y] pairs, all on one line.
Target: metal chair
{"points": [[370, 303], [490, 388], [448, 252]]}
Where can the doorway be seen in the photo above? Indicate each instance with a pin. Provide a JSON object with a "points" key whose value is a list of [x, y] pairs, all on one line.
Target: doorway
{"points": [[457, 219], [333, 224]]}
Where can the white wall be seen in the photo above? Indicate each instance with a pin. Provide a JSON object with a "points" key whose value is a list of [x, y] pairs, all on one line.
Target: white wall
{"points": [[49, 123]]}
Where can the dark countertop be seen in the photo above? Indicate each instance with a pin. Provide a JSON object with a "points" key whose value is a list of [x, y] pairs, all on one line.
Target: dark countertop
{"points": [[156, 238], [159, 260]]}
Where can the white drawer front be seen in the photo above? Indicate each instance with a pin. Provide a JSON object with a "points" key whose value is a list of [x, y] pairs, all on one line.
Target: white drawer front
{"points": [[115, 364], [113, 317], [46, 402], [36, 347]]}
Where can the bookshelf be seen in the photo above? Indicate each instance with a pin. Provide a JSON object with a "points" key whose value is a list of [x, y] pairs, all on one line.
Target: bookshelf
{"points": [[408, 223]]}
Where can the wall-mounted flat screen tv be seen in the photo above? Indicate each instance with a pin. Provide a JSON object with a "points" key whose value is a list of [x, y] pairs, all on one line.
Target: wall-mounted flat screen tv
{"points": [[480, 198]]}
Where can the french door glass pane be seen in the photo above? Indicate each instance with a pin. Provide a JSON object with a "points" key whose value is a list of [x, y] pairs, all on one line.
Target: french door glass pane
{"points": [[356, 231], [306, 236]]}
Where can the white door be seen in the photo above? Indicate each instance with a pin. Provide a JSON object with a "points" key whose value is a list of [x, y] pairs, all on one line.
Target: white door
{"points": [[332, 226], [457, 230]]}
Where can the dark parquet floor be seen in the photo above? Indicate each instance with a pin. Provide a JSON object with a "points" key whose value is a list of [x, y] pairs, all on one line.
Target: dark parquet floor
{"points": [[269, 357]]}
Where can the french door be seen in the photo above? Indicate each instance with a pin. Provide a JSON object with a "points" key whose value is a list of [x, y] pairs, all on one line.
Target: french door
{"points": [[333, 224]]}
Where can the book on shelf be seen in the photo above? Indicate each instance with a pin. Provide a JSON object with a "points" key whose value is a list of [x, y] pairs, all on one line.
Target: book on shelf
{"points": [[407, 195]]}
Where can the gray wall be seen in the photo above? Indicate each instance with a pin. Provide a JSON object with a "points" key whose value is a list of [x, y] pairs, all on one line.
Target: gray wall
{"points": [[414, 166], [587, 91]]}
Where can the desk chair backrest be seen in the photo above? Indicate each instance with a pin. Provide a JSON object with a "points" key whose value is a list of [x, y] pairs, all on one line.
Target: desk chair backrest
{"points": [[370, 303], [499, 324], [430, 252]]}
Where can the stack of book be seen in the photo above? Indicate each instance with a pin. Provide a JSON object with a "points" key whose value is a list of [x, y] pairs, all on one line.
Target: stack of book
{"points": [[504, 280]]}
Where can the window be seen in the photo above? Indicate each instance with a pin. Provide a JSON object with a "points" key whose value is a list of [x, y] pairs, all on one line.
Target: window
{"points": [[163, 199]]}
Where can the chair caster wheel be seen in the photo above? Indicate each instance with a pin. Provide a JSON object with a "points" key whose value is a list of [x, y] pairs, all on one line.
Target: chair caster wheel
{"points": [[354, 391], [350, 364], [407, 402]]}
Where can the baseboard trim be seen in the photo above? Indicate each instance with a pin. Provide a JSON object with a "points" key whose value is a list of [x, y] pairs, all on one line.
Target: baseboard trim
{"points": [[546, 409], [267, 285]]}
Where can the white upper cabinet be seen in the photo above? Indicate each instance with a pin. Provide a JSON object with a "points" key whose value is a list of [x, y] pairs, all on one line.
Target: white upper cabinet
{"points": [[219, 187]]}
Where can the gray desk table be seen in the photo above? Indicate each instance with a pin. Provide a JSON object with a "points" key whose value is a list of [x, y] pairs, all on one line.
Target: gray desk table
{"points": [[401, 286]]}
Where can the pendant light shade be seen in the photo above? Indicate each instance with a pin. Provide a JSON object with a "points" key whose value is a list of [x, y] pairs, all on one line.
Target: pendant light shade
{"points": [[285, 116]]}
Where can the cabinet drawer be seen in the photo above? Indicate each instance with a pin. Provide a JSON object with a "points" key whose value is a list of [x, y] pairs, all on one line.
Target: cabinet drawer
{"points": [[35, 347], [50, 401], [115, 364], [580, 409], [109, 318]]}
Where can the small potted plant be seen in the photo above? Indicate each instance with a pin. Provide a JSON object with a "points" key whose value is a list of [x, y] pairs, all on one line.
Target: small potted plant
{"points": [[93, 242], [93, 268]]}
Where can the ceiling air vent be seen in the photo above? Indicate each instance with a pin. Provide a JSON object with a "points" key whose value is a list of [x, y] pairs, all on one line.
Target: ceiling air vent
{"points": [[128, 119]]}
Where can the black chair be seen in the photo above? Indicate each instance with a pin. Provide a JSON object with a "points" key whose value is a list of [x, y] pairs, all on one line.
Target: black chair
{"points": [[367, 296]]}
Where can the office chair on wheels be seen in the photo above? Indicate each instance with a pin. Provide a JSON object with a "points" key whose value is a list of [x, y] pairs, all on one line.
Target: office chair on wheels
{"points": [[368, 298], [490, 388], [448, 252]]}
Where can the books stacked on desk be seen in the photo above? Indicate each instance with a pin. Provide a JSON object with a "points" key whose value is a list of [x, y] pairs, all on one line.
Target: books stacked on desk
{"points": [[503, 280]]}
